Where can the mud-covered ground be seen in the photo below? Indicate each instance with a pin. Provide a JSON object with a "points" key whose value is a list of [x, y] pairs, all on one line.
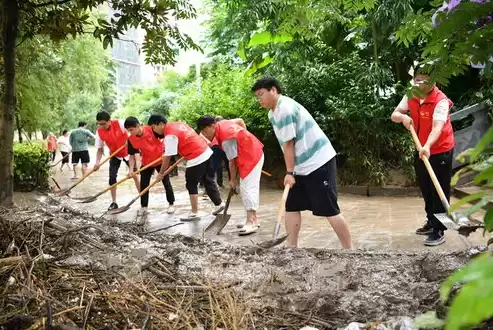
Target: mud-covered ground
{"points": [[281, 288]]}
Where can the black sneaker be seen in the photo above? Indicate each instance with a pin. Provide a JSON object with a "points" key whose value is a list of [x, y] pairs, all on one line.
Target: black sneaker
{"points": [[435, 238], [113, 206], [425, 230]]}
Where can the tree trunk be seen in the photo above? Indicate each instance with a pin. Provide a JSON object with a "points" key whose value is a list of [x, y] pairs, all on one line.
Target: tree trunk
{"points": [[9, 33], [19, 127]]}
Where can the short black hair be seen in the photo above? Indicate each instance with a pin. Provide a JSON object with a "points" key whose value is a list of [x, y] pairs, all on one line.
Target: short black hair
{"points": [[205, 121], [157, 119], [82, 124], [103, 115], [131, 122], [267, 83], [64, 131]]}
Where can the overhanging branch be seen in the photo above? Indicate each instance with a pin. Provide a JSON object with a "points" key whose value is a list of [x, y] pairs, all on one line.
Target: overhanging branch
{"points": [[49, 3]]}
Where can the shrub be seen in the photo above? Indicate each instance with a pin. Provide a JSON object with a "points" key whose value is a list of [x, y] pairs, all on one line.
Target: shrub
{"points": [[31, 166]]}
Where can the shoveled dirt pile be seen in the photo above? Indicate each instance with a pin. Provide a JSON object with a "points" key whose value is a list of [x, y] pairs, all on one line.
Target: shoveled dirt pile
{"points": [[64, 268]]}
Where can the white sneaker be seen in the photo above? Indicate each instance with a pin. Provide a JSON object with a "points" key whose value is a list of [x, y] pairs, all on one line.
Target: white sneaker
{"points": [[190, 216], [171, 209], [218, 208]]}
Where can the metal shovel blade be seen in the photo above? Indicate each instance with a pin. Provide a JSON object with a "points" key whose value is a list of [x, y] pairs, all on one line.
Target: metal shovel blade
{"points": [[453, 221], [118, 210], [62, 192], [273, 242], [218, 223], [87, 200]]}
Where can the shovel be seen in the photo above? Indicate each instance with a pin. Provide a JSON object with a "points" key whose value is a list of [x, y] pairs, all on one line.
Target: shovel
{"points": [[221, 219], [126, 207], [53, 165], [66, 191], [91, 199], [277, 226], [451, 221]]}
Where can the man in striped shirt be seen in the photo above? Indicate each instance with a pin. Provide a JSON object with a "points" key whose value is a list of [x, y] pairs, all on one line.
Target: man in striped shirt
{"points": [[310, 162]]}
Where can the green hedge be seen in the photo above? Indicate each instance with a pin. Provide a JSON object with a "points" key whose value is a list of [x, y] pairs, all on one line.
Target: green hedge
{"points": [[31, 166]]}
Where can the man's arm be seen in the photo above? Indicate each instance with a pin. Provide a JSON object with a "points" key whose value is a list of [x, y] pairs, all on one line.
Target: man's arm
{"points": [[240, 122], [230, 148], [400, 112], [131, 157], [89, 134], [289, 155], [100, 145]]}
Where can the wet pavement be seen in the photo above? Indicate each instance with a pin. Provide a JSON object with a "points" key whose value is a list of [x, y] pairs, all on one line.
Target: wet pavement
{"points": [[374, 222]]}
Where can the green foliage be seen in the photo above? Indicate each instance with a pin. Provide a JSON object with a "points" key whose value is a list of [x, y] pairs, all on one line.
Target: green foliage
{"points": [[31, 166], [348, 111], [225, 91]]}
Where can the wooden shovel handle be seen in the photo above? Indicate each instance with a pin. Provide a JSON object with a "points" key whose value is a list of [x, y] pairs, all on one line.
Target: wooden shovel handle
{"points": [[104, 161], [156, 181], [128, 177], [282, 206], [61, 159], [430, 170], [266, 173]]}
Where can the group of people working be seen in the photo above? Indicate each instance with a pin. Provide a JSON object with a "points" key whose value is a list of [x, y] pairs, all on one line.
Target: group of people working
{"points": [[309, 156]]}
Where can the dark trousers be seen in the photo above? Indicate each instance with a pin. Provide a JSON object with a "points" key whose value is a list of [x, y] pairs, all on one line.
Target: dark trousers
{"points": [[442, 166], [218, 160], [145, 180], [53, 155], [203, 173]]}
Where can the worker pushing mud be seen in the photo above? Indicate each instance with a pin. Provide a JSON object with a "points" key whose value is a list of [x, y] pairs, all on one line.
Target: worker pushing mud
{"points": [[246, 158], [150, 147], [429, 114], [179, 138], [310, 162], [112, 133]]}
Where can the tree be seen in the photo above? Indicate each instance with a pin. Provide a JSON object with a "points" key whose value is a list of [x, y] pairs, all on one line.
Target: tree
{"points": [[22, 20]]}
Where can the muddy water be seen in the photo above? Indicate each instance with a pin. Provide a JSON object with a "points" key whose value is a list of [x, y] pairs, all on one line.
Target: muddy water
{"points": [[375, 222]]}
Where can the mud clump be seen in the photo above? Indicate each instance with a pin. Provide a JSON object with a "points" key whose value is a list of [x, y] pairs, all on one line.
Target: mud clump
{"points": [[69, 269]]}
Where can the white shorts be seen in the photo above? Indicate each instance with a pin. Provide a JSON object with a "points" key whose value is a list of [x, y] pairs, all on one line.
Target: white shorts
{"points": [[250, 187]]}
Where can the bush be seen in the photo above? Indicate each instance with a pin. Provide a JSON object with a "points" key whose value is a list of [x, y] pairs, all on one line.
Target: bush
{"points": [[354, 117], [31, 166]]}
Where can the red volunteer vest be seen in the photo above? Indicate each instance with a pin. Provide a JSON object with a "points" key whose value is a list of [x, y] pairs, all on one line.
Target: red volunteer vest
{"points": [[150, 146], [114, 138], [190, 144], [51, 143], [422, 116], [249, 147]]}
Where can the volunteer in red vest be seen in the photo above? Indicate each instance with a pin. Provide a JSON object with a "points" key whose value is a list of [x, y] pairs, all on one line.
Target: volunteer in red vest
{"points": [[151, 148], [430, 117], [52, 142], [113, 134], [179, 138], [245, 156]]}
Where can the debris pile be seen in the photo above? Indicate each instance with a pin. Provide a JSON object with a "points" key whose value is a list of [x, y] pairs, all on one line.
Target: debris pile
{"points": [[63, 269]]}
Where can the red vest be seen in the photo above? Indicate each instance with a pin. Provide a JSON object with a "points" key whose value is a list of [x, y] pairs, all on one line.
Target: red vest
{"points": [[51, 143], [422, 116], [114, 138], [190, 144], [249, 147], [150, 146]]}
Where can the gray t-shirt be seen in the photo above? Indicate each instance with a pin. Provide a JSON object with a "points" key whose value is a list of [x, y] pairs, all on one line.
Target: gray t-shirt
{"points": [[79, 137]]}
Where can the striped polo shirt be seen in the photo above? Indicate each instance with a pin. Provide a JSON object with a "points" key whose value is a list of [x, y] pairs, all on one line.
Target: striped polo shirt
{"points": [[291, 120]]}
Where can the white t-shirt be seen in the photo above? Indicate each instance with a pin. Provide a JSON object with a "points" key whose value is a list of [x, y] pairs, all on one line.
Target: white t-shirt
{"points": [[64, 144], [313, 148], [441, 109], [100, 143], [171, 149]]}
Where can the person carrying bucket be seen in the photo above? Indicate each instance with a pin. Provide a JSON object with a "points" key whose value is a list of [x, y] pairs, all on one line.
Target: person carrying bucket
{"points": [[311, 169], [246, 157], [430, 117], [113, 134], [151, 148], [179, 138]]}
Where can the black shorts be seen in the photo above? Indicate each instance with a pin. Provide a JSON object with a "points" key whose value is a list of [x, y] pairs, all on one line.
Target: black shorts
{"points": [[115, 167], [65, 160], [316, 192], [83, 156]]}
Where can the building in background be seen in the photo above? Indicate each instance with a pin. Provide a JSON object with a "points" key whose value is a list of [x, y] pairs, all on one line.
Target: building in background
{"points": [[131, 69]]}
